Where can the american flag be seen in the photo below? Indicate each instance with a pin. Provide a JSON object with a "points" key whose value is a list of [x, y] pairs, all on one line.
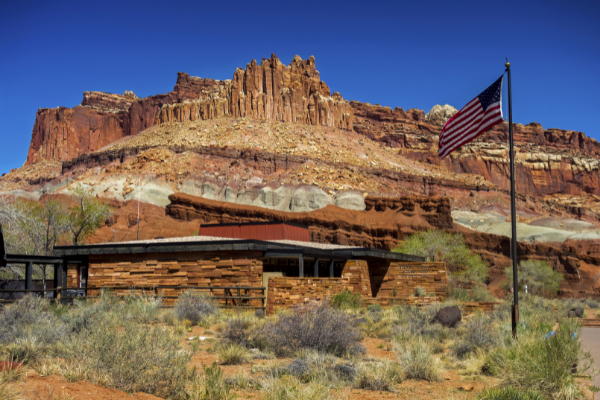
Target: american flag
{"points": [[477, 117]]}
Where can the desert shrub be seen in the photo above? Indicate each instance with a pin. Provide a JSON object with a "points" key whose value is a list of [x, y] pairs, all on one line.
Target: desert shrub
{"points": [[415, 321], [141, 308], [479, 333], [25, 350], [311, 366], [133, 358], [539, 277], [543, 364], [233, 354], [374, 308], [420, 292], [418, 362], [29, 328], [290, 388], [378, 376], [346, 299], [237, 331], [242, 381], [437, 245], [210, 386], [194, 307], [477, 292], [321, 328], [509, 393], [592, 303]]}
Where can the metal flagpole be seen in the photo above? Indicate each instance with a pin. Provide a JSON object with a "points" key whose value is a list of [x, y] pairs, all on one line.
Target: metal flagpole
{"points": [[513, 213], [139, 194]]}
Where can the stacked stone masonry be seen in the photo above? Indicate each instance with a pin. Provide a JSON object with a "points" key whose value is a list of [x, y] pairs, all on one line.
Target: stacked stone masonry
{"points": [[396, 285], [176, 269]]}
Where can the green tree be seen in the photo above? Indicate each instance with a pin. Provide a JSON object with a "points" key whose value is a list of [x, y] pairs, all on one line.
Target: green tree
{"points": [[85, 215], [436, 245], [539, 277]]}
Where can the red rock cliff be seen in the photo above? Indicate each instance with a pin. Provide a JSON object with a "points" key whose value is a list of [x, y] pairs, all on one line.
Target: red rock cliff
{"points": [[271, 91]]}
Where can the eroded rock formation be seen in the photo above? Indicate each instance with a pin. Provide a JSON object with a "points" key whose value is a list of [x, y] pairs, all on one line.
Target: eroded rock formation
{"points": [[269, 91]]}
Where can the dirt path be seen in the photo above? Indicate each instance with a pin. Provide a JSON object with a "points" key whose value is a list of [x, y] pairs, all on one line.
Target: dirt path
{"points": [[591, 341]]}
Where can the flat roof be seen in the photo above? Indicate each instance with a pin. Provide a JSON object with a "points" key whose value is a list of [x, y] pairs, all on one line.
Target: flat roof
{"points": [[271, 248], [256, 223]]}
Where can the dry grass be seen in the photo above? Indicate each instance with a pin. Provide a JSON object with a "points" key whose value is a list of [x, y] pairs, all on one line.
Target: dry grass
{"points": [[233, 354], [417, 361]]}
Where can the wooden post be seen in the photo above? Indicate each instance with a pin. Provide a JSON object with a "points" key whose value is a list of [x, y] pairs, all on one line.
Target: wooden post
{"points": [[316, 273], [56, 280], [301, 266], [29, 276], [64, 282], [331, 268]]}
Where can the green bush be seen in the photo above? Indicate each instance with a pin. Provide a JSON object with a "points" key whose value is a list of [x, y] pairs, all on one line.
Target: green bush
{"points": [[540, 278], [509, 393], [466, 268], [346, 299], [542, 364]]}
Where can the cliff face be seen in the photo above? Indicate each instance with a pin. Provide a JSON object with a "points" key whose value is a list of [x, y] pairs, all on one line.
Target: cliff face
{"points": [[548, 161], [269, 91]]}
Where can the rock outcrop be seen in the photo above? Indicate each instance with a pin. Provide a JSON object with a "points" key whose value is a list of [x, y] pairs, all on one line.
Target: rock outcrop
{"points": [[439, 115], [269, 91]]}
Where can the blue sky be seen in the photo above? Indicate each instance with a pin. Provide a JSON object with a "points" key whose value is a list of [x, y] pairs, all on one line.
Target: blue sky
{"points": [[405, 54]]}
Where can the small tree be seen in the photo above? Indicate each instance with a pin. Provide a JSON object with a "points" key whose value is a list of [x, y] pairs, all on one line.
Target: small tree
{"points": [[466, 267], [86, 215], [539, 277]]}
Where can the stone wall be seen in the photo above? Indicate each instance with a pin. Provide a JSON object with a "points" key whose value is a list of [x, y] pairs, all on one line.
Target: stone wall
{"points": [[176, 269], [382, 283], [399, 279]]}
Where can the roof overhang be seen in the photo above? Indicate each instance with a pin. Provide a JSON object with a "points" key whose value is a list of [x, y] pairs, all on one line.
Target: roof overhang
{"points": [[269, 249]]}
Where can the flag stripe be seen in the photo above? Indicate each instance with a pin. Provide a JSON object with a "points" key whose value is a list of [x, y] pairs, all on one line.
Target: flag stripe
{"points": [[475, 118], [470, 106], [473, 122], [471, 133], [457, 119], [467, 124], [487, 124]]}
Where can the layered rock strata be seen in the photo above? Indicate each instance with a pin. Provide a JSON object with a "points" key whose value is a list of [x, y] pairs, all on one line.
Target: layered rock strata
{"points": [[548, 161], [269, 91]]}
